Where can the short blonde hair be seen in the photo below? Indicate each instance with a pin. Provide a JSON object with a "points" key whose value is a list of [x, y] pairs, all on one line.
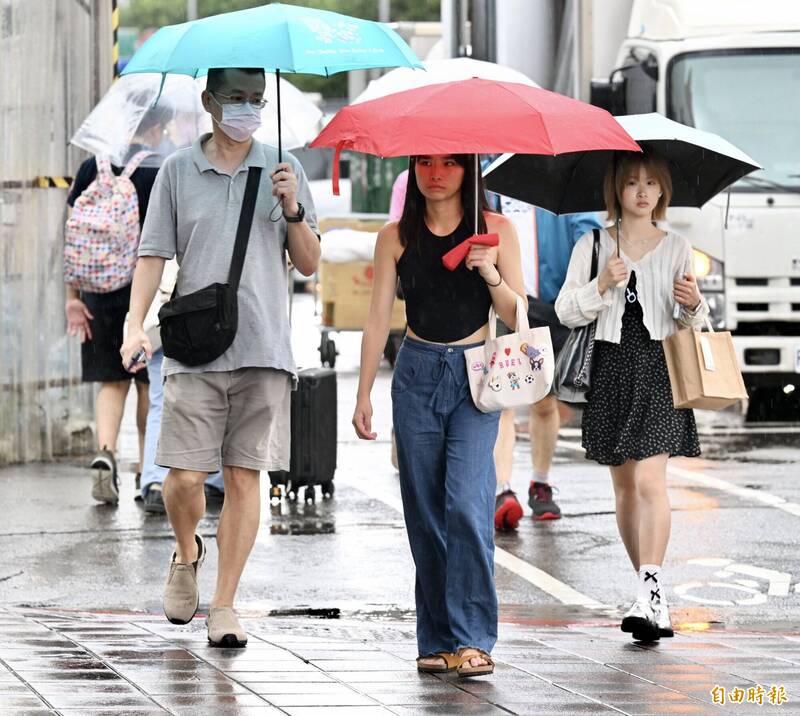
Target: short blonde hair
{"points": [[629, 165]]}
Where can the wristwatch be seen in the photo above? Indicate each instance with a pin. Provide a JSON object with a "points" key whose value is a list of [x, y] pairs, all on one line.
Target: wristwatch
{"points": [[301, 214]]}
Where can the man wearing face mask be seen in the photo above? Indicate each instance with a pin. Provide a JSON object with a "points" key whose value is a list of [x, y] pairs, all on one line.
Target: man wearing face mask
{"points": [[231, 412]]}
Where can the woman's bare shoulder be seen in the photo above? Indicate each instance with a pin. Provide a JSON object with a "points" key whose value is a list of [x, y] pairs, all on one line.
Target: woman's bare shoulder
{"points": [[389, 239], [497, 222]]}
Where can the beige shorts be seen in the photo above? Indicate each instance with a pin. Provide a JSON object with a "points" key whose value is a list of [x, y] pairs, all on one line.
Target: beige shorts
{"points": [[239, 417]]}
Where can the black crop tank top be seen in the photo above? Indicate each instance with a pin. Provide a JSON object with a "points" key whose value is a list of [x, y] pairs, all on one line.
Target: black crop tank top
{"points": [[442, 306]]}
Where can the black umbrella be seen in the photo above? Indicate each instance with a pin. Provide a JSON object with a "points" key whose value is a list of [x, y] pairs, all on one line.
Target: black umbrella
{"points": [[702, 164]]}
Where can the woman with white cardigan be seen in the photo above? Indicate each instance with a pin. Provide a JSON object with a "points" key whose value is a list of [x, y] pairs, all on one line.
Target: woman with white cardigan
{"points": [[629, 422]]}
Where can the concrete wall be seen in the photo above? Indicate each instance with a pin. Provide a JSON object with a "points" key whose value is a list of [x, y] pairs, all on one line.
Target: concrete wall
{"points": [[55, 57]]}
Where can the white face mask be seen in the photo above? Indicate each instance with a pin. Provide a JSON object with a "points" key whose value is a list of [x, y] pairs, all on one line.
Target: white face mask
{"points": [[239, 121]]}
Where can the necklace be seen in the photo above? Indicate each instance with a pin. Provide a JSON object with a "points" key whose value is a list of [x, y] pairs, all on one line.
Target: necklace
{"points": [[640, 242]]}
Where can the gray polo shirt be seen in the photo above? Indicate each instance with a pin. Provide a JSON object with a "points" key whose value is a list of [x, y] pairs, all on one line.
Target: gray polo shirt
{"points": [[193, 214]]}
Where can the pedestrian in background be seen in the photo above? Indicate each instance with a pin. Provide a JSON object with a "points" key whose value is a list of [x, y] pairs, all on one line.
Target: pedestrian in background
{"points": [[546, 243], [98, 319], [153, 475], [234, 409], [444, 442], [629, 422]]}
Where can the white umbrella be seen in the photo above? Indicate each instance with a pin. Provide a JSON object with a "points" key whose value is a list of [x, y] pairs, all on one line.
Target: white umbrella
{"points": [[438, 72], [126, 117]]}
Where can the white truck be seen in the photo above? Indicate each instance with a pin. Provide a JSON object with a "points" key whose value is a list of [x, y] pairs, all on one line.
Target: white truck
{"points": [[732, 67]]}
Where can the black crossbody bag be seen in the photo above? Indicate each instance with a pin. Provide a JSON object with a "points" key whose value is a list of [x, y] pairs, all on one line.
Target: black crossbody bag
{"points": [[200, 327], [573, 372]]}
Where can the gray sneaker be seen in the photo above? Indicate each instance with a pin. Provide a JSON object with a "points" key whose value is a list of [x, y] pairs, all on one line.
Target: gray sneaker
{"points": [[540, 498], [154, 501], [224, 629], [105, 480], [181, 594]]}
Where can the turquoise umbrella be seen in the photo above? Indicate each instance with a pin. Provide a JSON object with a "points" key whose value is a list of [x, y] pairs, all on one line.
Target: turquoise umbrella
{"points": [[277, 37]]}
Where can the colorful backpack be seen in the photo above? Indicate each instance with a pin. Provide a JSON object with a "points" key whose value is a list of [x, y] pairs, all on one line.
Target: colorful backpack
{"points": [[102, 233]]}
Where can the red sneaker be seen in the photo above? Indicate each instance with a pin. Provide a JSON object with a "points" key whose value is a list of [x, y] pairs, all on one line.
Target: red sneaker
{"points": [[507, 511]]}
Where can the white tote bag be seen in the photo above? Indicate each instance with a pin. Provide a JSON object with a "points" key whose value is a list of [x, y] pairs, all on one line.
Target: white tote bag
{"points": [[513, 370]]}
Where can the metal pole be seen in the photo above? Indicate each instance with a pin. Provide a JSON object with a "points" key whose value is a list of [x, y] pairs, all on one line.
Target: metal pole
{"points": [[484, 30], [384, 10], [191, 9], [278, 93]]}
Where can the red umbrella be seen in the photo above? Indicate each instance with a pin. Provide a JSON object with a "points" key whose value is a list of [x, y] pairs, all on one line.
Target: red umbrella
{"points": [[474, 116]]}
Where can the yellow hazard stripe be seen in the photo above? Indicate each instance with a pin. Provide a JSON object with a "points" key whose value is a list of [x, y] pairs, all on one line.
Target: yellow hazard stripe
{"points": [[115, 37], [52, 182]]}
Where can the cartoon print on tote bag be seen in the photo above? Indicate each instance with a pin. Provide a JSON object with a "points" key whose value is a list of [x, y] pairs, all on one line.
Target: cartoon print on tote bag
{"points": [[513, 370]]}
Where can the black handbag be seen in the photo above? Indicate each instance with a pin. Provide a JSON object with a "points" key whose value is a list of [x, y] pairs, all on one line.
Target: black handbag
{"points": [[199, 327], [573, 371]]}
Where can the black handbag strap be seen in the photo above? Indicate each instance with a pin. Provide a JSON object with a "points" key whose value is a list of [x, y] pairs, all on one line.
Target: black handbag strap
{"points": [[243, 229], [595, 254]]}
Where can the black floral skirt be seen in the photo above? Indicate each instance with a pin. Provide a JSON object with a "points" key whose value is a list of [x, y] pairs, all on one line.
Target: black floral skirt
{"points": [[629, 414]]}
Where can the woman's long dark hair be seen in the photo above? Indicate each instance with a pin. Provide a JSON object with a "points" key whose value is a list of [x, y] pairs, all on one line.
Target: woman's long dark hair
{"points": [[412, 222]]}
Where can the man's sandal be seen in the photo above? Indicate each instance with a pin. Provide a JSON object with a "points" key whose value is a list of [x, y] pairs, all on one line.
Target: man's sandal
{"points": [[451, 662], [465, 669]]}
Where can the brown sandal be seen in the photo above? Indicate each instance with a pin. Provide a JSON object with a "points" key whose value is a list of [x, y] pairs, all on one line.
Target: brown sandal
{"points": [[466, 670], [451, 662]]}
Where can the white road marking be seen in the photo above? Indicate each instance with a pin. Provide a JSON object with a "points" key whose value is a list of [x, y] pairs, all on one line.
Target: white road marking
{"points": [[717, 483], [717, 431], [724, 430], [535, 576], [779, 582], [756, 598]]}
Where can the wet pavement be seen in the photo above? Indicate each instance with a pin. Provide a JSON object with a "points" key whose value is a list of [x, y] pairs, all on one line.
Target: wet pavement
{"points": [[80, 584], [71, 662]]}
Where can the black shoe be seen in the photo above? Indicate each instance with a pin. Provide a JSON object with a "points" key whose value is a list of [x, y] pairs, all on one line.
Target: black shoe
{"points": [[540, 498], [105, 480], [137, 496], [154, 501], [214, 496]]}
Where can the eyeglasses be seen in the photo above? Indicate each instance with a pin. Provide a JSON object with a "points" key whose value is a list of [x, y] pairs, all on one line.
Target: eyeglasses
{"points": [[238, 100]]}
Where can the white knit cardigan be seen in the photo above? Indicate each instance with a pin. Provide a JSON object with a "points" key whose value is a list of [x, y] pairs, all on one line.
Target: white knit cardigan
{"points": [[580, 302]]}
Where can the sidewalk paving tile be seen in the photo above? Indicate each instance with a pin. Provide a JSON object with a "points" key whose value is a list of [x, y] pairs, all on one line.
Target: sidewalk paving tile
{"points": [[337, 711], [165, 669]]}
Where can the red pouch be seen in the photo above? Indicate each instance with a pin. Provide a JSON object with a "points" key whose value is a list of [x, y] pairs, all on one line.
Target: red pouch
{"points": [[455, 256]]}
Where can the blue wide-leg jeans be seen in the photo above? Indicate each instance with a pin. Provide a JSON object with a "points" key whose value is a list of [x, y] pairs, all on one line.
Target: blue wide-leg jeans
{"points": [[447, 479]]}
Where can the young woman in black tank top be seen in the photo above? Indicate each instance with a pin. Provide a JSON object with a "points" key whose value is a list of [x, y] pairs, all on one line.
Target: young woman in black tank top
{"points": [[444, 443]]}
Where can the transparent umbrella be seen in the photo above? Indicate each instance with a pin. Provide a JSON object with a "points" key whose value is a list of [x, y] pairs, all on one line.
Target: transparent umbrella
{"points": [[126, 120]]}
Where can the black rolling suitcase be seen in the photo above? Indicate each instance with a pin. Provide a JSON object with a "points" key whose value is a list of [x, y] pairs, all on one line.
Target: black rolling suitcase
{"points": [[313, 453]]}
